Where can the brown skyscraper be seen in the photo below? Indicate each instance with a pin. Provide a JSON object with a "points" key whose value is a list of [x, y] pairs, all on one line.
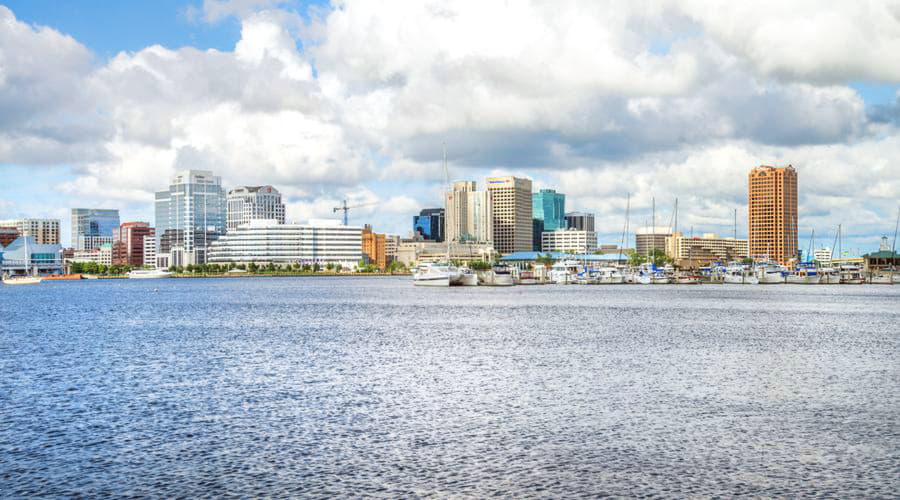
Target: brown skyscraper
{"points": [[772, 211]]}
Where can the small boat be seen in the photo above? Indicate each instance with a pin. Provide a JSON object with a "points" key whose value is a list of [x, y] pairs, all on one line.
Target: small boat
{"points": [[526, 278], [688, 279], [148, 274], [64, 277], [829, 276], [467, 277], [437, 274], [21, 280], [881, 279], [563, 272]]}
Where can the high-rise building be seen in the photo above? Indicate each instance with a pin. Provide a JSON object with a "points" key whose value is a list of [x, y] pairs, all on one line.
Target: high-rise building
{"points": [[702, 251], [550, 207], [823, 256], [580, 220], [150, 252], [373, 247], [128, 243], [469, 213], [511, 205], [190, 214], [93, 227], [429, 224], [44, 231], [649, 239], [391, 244], [772, 213], [246, 203], [569, 240], [537, 232]]}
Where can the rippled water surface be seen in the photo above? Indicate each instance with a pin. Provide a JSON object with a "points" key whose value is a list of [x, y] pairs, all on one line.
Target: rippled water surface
{"points": [[344, 386]]}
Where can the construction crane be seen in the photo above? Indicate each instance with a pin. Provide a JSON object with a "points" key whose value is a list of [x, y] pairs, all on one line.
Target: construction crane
{"points": [[346, 208]]}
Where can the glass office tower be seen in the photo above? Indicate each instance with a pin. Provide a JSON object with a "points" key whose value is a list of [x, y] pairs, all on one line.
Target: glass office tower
{"points": [[190, 215], [93, 227], [550, 207]]}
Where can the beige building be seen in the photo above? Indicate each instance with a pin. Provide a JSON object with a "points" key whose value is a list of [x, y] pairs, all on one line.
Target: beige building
{"points": [[569, 241], [44, 231], [702, 251], [648, 239], [412, 253], [469, 215], [391, 243], [512, 213], [772, 213]]}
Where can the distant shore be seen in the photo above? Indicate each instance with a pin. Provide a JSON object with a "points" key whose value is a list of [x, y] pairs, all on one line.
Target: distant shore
{"points": [[268, 275]]}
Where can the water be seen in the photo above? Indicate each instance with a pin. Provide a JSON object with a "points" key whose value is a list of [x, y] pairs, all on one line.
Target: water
{"points": [[345, 387]]}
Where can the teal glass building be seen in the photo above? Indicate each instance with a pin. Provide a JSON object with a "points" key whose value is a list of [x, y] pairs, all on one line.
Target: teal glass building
{"points": [[549, 207]]}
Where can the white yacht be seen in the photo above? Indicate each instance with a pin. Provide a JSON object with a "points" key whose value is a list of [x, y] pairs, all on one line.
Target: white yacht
{"points": [[851, 274], [804, 275], [688, 279], [437, 274], [563, 272], [610, 276], [737, 274], [21, 280], [881, 279], [468, 277], [769, 273], [143, 274], [829, 276]]}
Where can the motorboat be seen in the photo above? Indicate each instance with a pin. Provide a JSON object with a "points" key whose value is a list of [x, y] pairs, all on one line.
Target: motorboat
{"points": [[144, 274], [881, 279], [737, 274], [526, 278], [563, 272], [851, 274], [436, 274], [769, 273], [829, 276], [609, 276], [688, 279], [804, 275]]}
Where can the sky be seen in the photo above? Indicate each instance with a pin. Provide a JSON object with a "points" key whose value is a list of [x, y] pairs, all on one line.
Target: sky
{"points": [[102, 102]]}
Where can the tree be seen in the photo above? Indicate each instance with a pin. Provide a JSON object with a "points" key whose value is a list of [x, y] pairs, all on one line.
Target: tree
{"points": [[659, 258], [306, 268], [479, 265], [546, 259], [338, 268], [329, 266], [251, 267], [635, 259], [316, 267]]}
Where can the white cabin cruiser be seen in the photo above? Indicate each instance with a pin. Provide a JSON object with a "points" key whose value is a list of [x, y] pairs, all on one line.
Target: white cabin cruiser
{"points": [[436, 274], [737, 274], [149, 274]]}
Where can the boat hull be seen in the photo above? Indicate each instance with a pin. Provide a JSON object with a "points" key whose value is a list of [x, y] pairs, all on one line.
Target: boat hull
{"points": [[468, 279], [770, 279], [802, 280], [434, 282], [30, 280], [149, 275]]}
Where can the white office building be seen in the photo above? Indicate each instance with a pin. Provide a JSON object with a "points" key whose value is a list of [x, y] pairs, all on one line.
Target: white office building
{"points": [[150, 252], [823, 256], [268, 241], [569, 241], [248, 203]]}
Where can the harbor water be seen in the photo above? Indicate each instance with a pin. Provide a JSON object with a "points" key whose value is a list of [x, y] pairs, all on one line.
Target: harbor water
{"points": [[324, 387]]}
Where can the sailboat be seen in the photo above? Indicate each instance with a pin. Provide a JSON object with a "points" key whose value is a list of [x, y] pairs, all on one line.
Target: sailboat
{"points": [[25, 279], [441, 273]]}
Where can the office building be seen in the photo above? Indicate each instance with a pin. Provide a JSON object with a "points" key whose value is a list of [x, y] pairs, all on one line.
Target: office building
{"points": [[100, 256], [150, 253], [92, 227], [569, 241], [580, 220], [391, 244], [45, 257], [649, 239], [373, 248], [128, 243], [248, 203], [772, 207], [429, 224], [549, 207], [267, 241], [469, 213], [693, 252], [44, 231], [537, 231], [511, 204], [8, 235], [190, 215], [823, 256]]}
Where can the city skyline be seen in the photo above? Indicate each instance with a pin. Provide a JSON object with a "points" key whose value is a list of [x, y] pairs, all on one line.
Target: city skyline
{"points": [[662, 102]]}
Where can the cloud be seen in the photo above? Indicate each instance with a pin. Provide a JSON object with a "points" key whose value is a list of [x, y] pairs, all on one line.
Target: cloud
{"points": [[596, 98]]}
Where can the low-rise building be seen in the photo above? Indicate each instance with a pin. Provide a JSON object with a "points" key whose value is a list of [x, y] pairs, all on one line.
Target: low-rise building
{"points": [[412, 253], [128, 243], [8, 235], [150, 253], [569, 240], [823, 256], [45, 257], [702, 251], [391, 243], [100, 256], [263, 242]]}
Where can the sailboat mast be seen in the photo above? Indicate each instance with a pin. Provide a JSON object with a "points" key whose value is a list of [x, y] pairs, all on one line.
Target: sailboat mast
{"points": [[653, 227], [894, 244], [625, 229], [675, 230], [446, 193]]}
